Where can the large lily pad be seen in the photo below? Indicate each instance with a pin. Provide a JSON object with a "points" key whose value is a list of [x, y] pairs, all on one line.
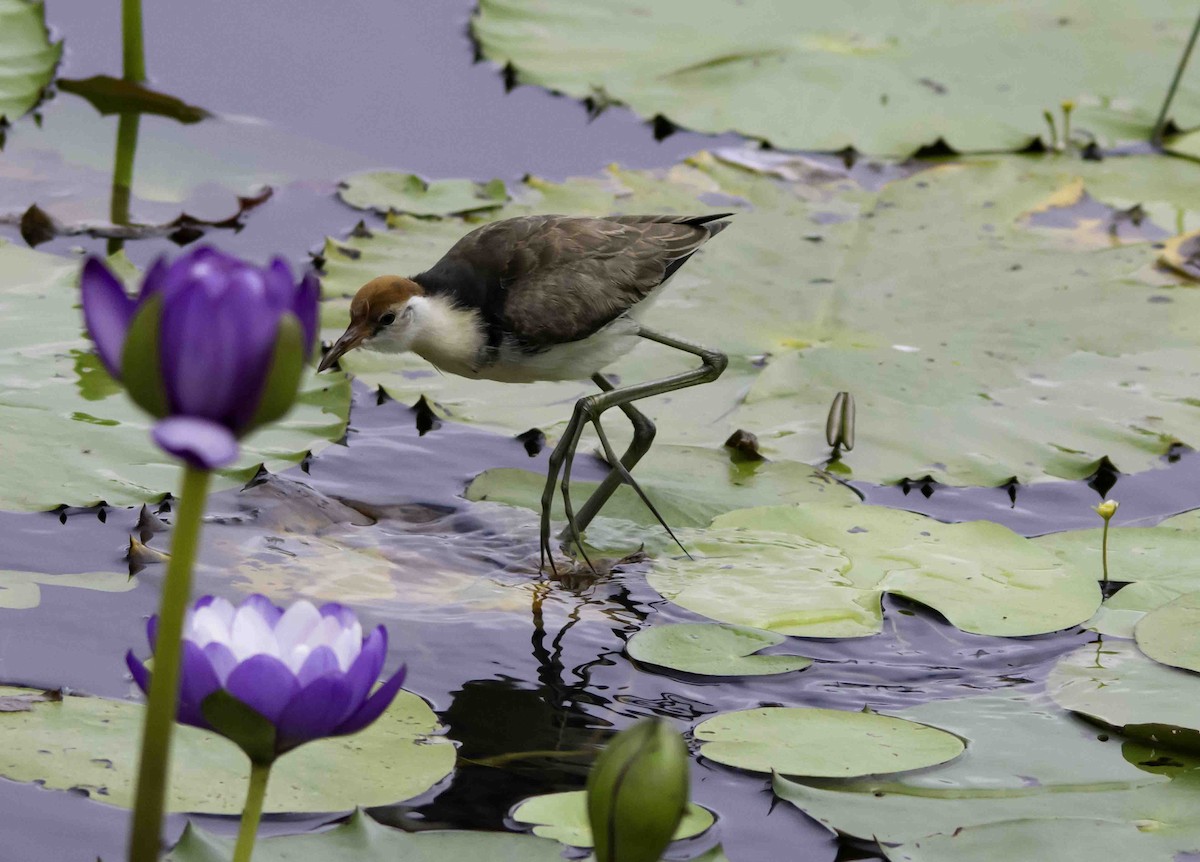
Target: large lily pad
{"points": [[1114, 683], [27, 56], [820, 570], [71, 436], [564, 817], [365, 840], [948, 303], [23, 590], [713, 649], [1157, 564], [881, 80], [823, 743], [388, 191], [1029, 770], [1171, 634], [91, 744]]}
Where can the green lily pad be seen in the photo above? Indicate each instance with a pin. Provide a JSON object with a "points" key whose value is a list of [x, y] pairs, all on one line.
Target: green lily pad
{"points": [[388, 191], [1158, 563], [689, 485], [73, 437], [27, 57], [23, 590], [824, 743], [1029, 770], [1171, 634], [1113, 683], [564, 817], [713, 649], [1053, 392], [362, 838], [878, 81], [817, 570], [91, 744]]}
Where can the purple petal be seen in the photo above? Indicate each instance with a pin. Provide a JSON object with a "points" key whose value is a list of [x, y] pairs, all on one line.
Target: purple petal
{"points": [[107, 311], [281, 289], [320, 662], [154, 280], [264, 684], [152, 632], [305, 306], [203, 602], [201, 443], [345, 617], [221, 658], [374, 707], [265, 608], [140, 675], [364, 671], [198, 681], [314, 712]]}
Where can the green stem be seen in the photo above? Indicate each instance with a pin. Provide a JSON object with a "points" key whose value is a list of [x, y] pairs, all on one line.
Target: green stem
{"points": [[122, 183], [252, 812], [1104, 553], [1160, 125], [164, 681], [133, 52]]}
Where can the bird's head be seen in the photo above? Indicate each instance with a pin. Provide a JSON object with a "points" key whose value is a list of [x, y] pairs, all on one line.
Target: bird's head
{"points": [[382, 315]]}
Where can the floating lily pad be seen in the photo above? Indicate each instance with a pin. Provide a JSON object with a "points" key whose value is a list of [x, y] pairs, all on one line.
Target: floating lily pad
{"points": [[823, 743], [1029, 770], [72, 436], [689, 485], [1112, 682], [712, 649], [879, 301], [564, 817], [365, 840], [810, 77], [91, 744], [27, 57], [1158, 563], [816, 570], [1171, 634], [388, 191], [23, 590]]}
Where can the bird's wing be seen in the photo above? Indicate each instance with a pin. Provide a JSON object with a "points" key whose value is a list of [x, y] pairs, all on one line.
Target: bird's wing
{"points": [[564, 278]]}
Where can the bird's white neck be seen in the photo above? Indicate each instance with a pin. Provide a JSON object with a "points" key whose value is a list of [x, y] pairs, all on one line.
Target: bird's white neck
{"points": [[445, 334]]}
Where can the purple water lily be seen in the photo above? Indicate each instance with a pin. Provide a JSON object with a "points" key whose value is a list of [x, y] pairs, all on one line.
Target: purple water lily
{"points": [[307, 671], [212, 346]]}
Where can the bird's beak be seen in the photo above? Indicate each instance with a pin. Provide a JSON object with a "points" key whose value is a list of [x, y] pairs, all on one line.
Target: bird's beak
{"points": [[354, 335]]}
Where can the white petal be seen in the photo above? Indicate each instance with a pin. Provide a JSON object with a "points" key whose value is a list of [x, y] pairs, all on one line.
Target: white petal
{"points": [[295, 625], [295, 657], [324, 633], [347, 646], [207, 625], [251, 635]]}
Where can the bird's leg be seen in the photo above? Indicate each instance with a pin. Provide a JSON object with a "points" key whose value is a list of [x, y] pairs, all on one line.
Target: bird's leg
{"points": [[559, 459], [643, 436], [590, 409]]}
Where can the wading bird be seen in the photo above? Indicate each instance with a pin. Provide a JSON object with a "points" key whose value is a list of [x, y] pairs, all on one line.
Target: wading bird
{"points": [[546, 297]]}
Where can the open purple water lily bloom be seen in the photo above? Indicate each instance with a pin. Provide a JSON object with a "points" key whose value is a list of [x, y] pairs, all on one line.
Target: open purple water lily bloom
{"points": [[304, 673], [212, 346]]}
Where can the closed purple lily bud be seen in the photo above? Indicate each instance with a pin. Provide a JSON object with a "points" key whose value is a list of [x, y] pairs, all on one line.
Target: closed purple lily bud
{"points": [[212, 346], [290, 676]]}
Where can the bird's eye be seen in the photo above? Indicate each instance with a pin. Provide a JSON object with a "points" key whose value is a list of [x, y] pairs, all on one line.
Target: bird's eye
{"points": [[388, 319]]}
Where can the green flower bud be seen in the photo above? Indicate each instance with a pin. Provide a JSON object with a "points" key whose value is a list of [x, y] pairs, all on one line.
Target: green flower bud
{"points": [[637, 793], [1107, 509]]}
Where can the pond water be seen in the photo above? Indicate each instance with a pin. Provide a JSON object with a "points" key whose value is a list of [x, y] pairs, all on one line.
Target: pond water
{"points": [[306, 95]]}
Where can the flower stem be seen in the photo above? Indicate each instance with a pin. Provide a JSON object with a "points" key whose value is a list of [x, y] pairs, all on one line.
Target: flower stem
{"points": [[164, 680], [252, 812], [1104, 556], [133, 52], [1160, 125], [122, 183]]}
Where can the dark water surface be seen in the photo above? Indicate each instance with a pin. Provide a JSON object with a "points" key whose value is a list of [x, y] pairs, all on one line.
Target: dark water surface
{"points": [[307, 93]]}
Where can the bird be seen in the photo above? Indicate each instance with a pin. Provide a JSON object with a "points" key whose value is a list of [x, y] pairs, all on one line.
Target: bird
{"points": [[547, 297]]}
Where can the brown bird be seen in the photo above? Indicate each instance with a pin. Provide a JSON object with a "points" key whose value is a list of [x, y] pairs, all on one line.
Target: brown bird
{"points": [[546, 297]]}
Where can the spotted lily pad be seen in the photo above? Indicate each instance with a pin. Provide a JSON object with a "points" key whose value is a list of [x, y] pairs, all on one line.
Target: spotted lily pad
{"points": [[91, 744], [1112, 682], [72, 436], [564, 817], [713, 649], [817, 570], [878, 301], [1171, 634], [825, 743], [27, 56], [363, 839], [388, 191]]}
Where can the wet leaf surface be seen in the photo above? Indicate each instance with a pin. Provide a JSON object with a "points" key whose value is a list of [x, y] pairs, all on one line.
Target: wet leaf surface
{"points": [[712, 649], [1171, 634], [27, 58], [386, 191], [563, 817]]}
